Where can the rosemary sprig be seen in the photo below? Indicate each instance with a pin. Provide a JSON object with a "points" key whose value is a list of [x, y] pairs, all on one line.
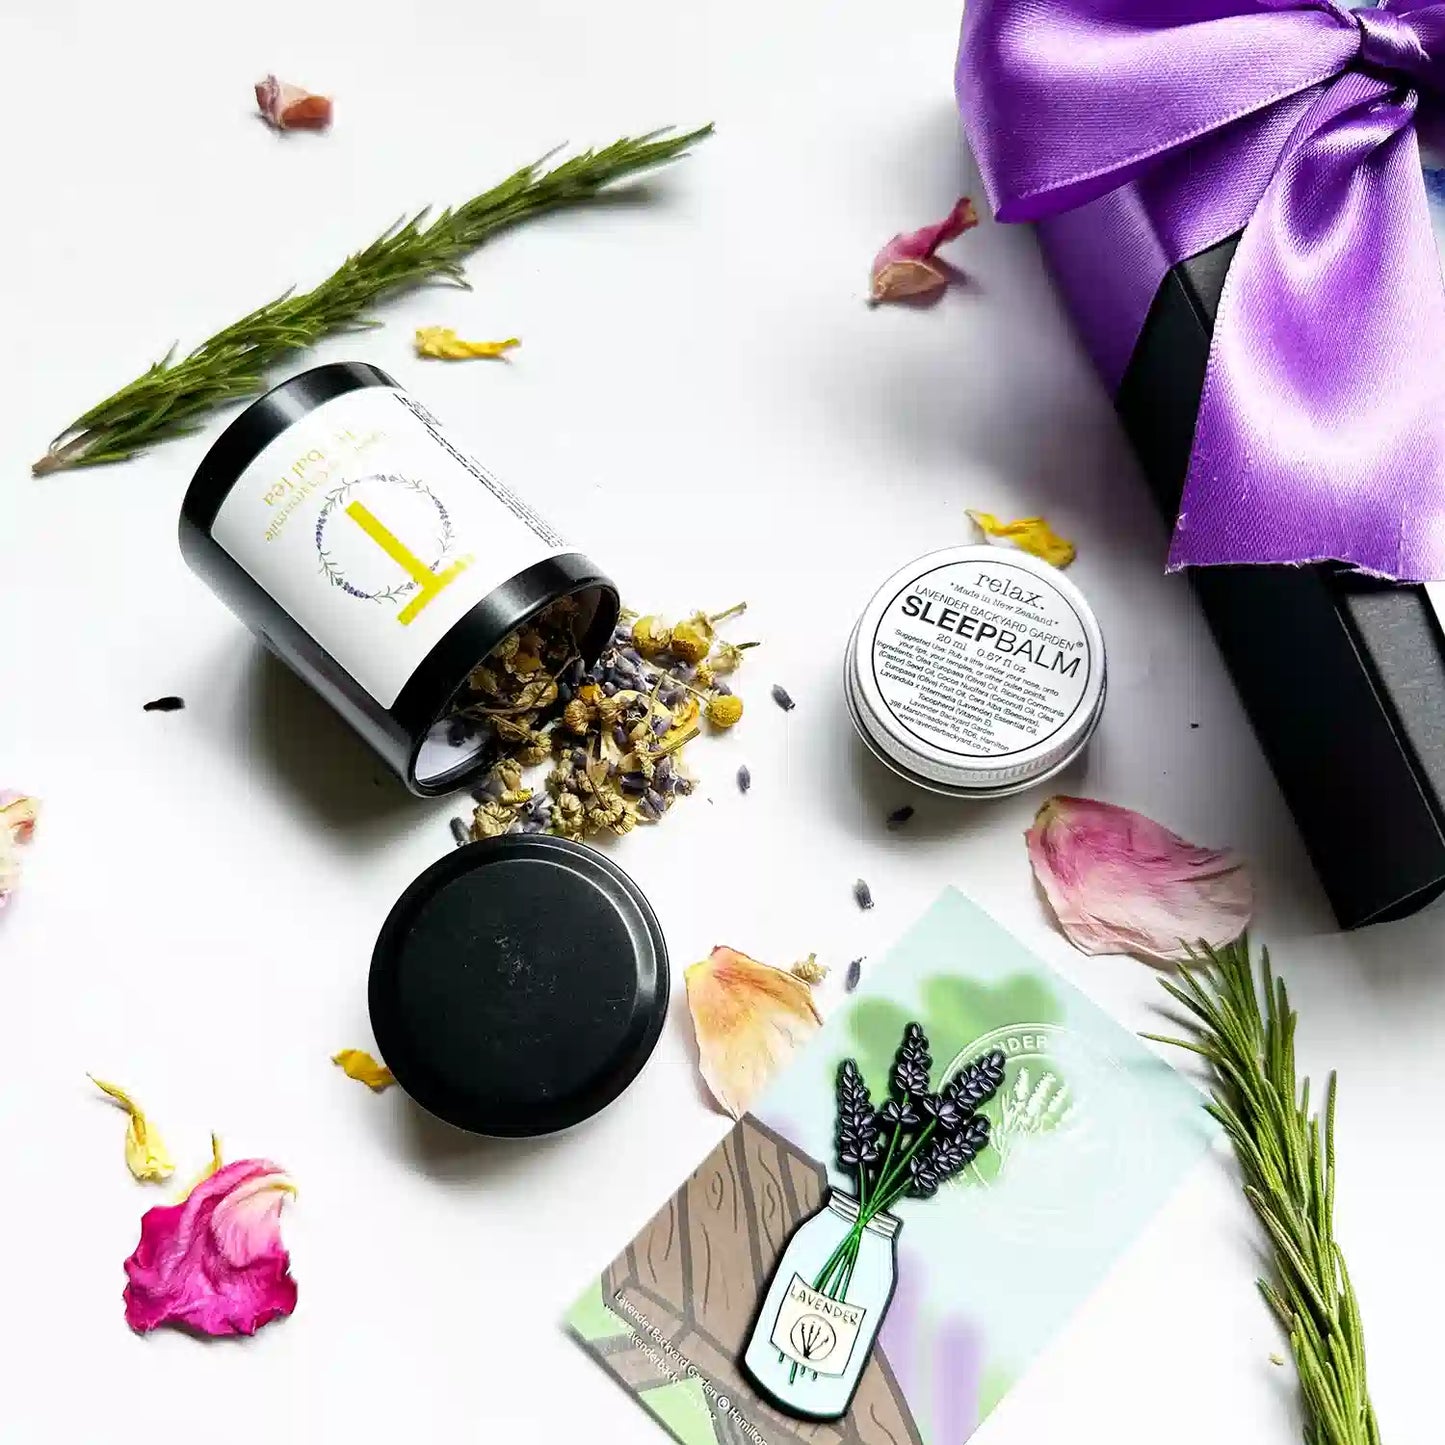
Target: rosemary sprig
{"points": [[169, 398], [1287, 1155]]}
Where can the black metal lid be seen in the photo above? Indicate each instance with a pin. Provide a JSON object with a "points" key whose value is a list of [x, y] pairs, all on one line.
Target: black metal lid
{"points": [[519, 985]]}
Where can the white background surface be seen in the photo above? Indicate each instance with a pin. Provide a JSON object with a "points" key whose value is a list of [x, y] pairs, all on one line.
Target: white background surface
{"points": [[703, 398]]}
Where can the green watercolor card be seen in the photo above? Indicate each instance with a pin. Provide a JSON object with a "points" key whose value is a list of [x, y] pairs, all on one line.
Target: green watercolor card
{"points": [[730, 1316]]}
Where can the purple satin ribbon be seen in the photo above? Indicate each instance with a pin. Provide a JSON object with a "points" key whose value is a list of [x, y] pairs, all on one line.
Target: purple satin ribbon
{"points": [[1321, 428]]}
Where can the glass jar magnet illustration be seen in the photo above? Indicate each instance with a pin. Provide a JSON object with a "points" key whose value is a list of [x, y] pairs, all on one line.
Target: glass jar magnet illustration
{"points": [[832, 1287]]}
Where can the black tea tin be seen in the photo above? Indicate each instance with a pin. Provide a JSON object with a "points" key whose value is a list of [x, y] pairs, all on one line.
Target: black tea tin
{"points": [[382, 563], [519, 985]]}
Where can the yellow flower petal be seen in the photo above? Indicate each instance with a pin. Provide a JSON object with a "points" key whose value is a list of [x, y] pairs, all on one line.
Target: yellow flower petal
{"points": [[146, 1155], [215, 1166], [359, 1065], [1028, 534], [749, 1019], [444, 344]]}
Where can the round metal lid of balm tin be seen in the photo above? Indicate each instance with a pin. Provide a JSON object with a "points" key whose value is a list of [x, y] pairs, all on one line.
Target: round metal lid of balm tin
{"points": [[976, 672], [519, 985]]}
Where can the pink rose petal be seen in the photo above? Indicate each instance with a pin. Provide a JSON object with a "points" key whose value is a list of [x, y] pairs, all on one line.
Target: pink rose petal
{"points": [[292, 107], [17, 825], [1120, 883], [902, 268], [215, 1262]]}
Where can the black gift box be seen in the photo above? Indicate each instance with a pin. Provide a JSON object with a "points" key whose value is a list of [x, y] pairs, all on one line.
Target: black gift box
{"points": [[1343, 677]]}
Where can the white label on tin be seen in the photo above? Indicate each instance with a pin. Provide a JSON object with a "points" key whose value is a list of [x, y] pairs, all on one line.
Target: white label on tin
{"points": [[815, 1331], [375, 533], [981, 659]]}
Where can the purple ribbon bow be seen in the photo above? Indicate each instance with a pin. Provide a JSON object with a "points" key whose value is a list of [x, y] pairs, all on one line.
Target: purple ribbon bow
{"points": [[1321, 428]]}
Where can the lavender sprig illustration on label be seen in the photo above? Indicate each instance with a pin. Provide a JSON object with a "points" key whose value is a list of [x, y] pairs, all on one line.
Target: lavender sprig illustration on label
{"points": [[815, 1329]]}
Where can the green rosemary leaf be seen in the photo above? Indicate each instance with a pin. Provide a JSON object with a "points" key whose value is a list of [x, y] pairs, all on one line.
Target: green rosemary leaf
{"points": [[1286, 1153], [161, 403]]}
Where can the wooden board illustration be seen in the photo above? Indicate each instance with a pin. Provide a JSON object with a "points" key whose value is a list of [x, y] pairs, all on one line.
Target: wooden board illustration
{"points": [[692, 1279]]}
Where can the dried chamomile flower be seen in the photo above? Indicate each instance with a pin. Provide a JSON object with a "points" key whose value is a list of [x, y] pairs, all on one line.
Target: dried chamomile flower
{"points": [[651, 636], [570, 817], [536, 749], [690, 642], [728, 656], [491, 820], [484, 679], [810, 970], [724, 711], [577, 716]]}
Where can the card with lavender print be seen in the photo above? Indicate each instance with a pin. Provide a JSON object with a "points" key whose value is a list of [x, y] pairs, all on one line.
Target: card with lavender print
{"points": [[877, 1251]]}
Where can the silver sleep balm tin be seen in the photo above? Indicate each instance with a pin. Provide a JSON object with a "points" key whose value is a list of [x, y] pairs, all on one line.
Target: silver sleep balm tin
{"points": [[976, 672]]}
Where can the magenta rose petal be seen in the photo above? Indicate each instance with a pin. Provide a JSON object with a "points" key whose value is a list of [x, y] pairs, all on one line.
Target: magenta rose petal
{"points": [[215, 1263], [1120, 883], [905, 266]]}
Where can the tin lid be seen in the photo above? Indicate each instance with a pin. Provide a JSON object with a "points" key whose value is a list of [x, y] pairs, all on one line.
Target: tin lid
{"points": [[519, 985], [976, 671]]}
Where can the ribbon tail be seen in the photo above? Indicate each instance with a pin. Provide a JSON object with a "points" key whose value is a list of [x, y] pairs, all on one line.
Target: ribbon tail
{"points": [[1321, 427]]}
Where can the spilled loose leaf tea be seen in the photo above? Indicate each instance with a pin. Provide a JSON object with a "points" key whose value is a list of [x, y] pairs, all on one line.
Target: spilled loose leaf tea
{"points": [[749, 1019], [862, 894], [359, 1065], [745, 778], [854, 976], [612, 734], [146, 1155], [783, 698], [442, 343], [164, 704]]}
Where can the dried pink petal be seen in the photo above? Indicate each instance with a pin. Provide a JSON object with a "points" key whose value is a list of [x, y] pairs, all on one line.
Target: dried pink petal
{"points": [[215, 1262], [1120, 883], [904, 266], [292, 107], [17, 824]]}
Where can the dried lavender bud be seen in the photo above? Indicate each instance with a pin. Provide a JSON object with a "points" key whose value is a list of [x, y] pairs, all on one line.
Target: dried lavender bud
{"points": [[899, 816], [745, 778], [661, 725], [854, 976], [631, 655], [609, 689], [670, 696], [619, 736], [721, 688], [863, 893], [684, 786], [564, 692], [458, 731], [633, 783], [781, 697], [655, 799], [664, 776], [461, 832], [170, 703], [649, 810]]}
